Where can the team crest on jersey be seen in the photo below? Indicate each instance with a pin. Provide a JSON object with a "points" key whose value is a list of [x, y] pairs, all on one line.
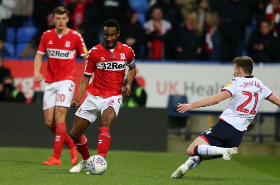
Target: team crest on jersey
{"points": [[123, 56], [67, 44], [50, 42]]}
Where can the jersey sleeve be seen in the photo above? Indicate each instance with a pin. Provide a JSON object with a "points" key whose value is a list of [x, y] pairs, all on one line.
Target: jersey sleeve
{"points": [[90, 63], [231, 87], [267, 92], [42, 46], [81, 46], [130, 57]]}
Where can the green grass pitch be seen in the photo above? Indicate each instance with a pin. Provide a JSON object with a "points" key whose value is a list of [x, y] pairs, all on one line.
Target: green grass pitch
{"points": [[23, 166]]}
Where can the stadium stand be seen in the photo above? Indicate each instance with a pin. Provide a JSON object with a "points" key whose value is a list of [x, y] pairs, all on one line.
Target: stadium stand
{"points": [[10, 48]]}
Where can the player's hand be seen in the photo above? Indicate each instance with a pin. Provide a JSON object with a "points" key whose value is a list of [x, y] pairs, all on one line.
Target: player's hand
{"points": [[38, 77], [184, 107], [75, 102], [126, 91]]}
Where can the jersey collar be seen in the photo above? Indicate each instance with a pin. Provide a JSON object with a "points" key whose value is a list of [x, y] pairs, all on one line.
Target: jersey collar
{"points": [[251, 76]]}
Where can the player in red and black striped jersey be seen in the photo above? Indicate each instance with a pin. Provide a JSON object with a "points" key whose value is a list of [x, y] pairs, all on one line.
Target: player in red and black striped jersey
{"points": [[108, 62], [61, 45]]}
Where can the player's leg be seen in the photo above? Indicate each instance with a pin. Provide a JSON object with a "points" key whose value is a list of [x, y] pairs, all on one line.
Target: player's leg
{"points": [[104, 139], [50, 121], [192, 162], [109, 113], [65, 92], [86, 114], [80, 141], [49, 114], [206, 147]]}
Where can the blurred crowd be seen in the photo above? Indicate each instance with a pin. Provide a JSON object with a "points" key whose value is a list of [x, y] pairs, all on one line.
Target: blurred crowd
{"points": [[177, 30], [181, 30]]}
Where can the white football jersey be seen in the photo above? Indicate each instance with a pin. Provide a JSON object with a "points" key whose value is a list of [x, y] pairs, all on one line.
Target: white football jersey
{"points": [[246, 96]]}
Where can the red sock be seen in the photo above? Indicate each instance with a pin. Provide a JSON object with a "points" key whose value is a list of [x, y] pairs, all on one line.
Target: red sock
{"points": [[67, 140], [82, 147], [59, 139], [104, 141]]}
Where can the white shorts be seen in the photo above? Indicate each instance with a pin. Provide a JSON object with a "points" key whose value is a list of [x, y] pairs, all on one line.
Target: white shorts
{"points": [[92, 106], [58, 94]]}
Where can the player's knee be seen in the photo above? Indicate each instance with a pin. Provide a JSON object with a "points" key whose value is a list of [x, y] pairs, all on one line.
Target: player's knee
{"points": [[190, 151], [74, 135], [59, 116], [49, 121]]}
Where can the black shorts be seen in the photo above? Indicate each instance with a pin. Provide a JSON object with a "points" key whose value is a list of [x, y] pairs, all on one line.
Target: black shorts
{"points": [[223, 135]]}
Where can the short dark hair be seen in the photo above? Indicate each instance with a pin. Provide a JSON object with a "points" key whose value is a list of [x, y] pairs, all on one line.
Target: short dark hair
{"points": [[112, 23], [61, 10], [244, 62]]}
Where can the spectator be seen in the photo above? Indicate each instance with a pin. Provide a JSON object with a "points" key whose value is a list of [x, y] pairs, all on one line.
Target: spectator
{"points": [[234, 16], [212, 37], [202, 9], [3, 51], [43, 11], [186, 6], [6, 7], [91, 25], [77, 13], [257, 13], [113, 9], [187, 39], [171, 12], [132, 33], [10, 93], [273, 14], [158, 33], [263, 45], [137, 98], [22, 13]]}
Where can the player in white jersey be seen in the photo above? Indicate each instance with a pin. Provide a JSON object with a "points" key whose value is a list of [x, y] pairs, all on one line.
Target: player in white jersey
{"points": [[222, 140], [61, 44]]}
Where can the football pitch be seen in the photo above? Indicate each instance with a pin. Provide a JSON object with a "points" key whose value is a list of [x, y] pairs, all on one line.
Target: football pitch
{"points": [[23, 166]]}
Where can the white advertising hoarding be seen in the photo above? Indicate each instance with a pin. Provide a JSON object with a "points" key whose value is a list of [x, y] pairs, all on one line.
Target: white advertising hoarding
{"points": [[198, 81]]}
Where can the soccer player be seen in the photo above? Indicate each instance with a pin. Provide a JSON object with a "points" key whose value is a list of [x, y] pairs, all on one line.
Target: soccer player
{"points": [[107, 61], [222, 139], [60, 44]]}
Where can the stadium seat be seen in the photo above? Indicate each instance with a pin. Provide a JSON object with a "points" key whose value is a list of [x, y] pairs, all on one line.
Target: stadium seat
{"points": [[139, 5], [10, 48], [25, 34], [10, 35], [20, 47], [141, 18], [173, 101]]}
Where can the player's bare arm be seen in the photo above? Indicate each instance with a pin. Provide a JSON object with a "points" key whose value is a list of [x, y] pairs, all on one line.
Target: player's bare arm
{"points": [[37, 66], [83, 87], [85, 58], [130, 78], [274, 99], [211, 100]]}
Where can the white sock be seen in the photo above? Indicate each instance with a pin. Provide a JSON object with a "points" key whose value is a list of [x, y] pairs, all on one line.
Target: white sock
{"points": [[193, 162], [206, 150]]}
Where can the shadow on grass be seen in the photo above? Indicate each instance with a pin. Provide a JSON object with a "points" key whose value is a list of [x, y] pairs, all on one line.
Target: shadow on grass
{"points": [[199, 178]]}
